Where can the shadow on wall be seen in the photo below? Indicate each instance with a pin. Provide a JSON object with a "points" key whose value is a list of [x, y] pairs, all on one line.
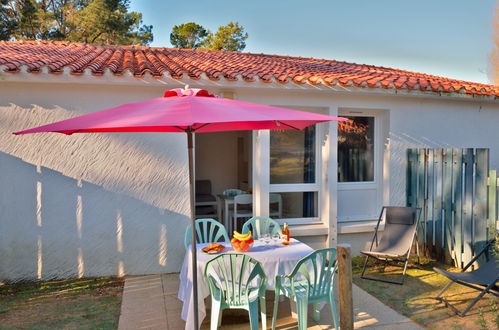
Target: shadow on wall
{"points": [[53, 226], [398, 144]]}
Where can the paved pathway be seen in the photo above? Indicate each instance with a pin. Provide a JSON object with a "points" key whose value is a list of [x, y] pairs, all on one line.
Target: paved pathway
{"points": [[150, 302]]}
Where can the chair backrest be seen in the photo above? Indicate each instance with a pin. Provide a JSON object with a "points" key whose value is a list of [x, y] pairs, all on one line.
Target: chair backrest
{"points": [[233, 192], [203, 187], [484, 253], [207, 231], [400, 228], [276, 199], [317, 270], [245, 200], [231, 275], [260, 226], [486, 274]]}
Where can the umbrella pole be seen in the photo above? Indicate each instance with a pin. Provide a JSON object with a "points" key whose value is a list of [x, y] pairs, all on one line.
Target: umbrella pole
{"points": [[193, 236]]}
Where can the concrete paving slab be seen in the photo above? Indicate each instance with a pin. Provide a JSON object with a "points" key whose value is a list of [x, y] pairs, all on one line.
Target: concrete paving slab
{"points": [[150, 302], [143, 304], [370, 313]]}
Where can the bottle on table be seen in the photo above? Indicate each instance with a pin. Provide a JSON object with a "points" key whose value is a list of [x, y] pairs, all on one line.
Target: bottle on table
{"points": [[285, 233]]}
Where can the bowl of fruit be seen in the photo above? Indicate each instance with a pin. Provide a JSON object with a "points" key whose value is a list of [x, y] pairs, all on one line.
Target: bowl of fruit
{"points": [[242, 242]]}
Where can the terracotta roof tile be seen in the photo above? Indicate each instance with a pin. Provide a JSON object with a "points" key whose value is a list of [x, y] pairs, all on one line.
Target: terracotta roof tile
{"points": [[77, 58]]}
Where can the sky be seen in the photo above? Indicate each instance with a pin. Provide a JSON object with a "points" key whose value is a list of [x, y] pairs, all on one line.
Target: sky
{"points": [[450, 38]]}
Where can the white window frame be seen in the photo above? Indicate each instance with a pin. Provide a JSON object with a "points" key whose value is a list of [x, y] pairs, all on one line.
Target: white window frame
{"points": [[305, 187], [377, 183]]}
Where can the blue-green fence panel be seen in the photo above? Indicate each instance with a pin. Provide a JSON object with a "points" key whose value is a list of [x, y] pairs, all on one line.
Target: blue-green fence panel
{"points": [[437, 203], [457, 184], [492, 204], [412, 175], [421, 196], [447, 206], [468, 205], [458, 196], [480, 200], [430, 196]]}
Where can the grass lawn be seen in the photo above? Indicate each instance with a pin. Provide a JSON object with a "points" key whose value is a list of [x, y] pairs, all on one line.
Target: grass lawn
{"points": [[86, 303], [414, 298]]}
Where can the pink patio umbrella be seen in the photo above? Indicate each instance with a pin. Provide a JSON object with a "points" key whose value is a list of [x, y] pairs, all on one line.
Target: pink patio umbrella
{"points": [[190, 111]]}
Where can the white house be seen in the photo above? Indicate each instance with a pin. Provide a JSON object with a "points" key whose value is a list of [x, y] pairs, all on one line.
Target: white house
{"points": [[100, 204]]}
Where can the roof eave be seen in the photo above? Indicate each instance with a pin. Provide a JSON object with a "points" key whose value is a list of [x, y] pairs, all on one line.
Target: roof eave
{"points": [[128, 79]]}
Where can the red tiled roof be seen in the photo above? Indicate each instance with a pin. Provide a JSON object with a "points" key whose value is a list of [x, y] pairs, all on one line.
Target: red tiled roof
{"points": [[179, 63]]}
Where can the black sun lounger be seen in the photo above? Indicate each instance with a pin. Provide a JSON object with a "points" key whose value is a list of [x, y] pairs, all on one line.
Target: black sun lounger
{"points": [[483, 279]]}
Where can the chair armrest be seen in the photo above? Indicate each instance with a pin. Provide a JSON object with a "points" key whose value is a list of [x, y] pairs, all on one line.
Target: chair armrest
{"points": [[375, 236]]}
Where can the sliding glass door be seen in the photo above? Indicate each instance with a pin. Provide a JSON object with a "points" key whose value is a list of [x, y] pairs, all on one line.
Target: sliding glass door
{"points": [[294, 174]]}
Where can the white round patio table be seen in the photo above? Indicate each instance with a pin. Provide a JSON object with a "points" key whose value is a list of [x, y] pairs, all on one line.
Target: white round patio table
{"points": [[276, 259]]}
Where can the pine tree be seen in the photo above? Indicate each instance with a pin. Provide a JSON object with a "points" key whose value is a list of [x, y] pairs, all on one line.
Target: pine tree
{"points": [[7, 22], [188, 35], [229, 37], [93, 21], [192, 35]]}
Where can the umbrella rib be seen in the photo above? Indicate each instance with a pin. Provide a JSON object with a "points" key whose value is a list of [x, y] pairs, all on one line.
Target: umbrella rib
{"points": [[190, 128], [289, 126], [195, 129], [180, 128]]}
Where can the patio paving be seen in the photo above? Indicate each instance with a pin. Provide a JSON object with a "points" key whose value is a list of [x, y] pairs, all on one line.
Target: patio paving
{"points": [[150, 302]]}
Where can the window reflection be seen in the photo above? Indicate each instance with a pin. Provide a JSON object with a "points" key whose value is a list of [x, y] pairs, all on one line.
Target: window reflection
{"points": [[356, 149], [293, 205], [292, 156]]}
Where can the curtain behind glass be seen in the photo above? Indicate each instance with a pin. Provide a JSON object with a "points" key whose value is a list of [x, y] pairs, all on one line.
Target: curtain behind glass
{"points": [[292, 161], [292, 156], [356, 150]]}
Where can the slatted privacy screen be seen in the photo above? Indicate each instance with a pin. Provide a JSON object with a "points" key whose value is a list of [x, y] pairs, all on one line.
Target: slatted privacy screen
{"points": [[457, 194]]}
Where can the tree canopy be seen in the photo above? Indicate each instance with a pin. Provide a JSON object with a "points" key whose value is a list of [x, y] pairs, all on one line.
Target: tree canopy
{"points": [[92, 21], [192, 35], [228, 37], [7, 25], [188, 35]]}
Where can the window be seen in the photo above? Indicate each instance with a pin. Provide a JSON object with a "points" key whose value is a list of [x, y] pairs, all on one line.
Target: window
{"points": [[297, 204], [292, 156], [356, 150], [293, 174]]}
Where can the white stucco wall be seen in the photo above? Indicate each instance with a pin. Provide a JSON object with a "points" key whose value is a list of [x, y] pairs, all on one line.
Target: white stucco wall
{"points": [[97, 204], [87, 204]]}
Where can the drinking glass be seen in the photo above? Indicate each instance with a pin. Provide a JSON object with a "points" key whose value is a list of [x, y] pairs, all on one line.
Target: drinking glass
{"points": [[266, 238], [276, 237]]}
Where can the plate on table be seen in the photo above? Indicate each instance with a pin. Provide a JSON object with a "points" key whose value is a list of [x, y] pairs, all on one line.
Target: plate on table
{"points": [[213, 248]]}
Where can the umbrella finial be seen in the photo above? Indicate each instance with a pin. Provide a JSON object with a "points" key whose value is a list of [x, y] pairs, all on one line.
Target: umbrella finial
{"points": [[188, 92]]}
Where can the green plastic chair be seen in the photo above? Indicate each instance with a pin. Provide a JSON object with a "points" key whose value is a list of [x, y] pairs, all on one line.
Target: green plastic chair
{"points": [[207, 231], [310, 282], [260, 226], [236, 281]]}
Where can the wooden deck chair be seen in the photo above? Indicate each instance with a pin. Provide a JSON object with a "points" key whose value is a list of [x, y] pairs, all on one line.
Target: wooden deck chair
{"points": [[396, 242], [483, 279]]}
